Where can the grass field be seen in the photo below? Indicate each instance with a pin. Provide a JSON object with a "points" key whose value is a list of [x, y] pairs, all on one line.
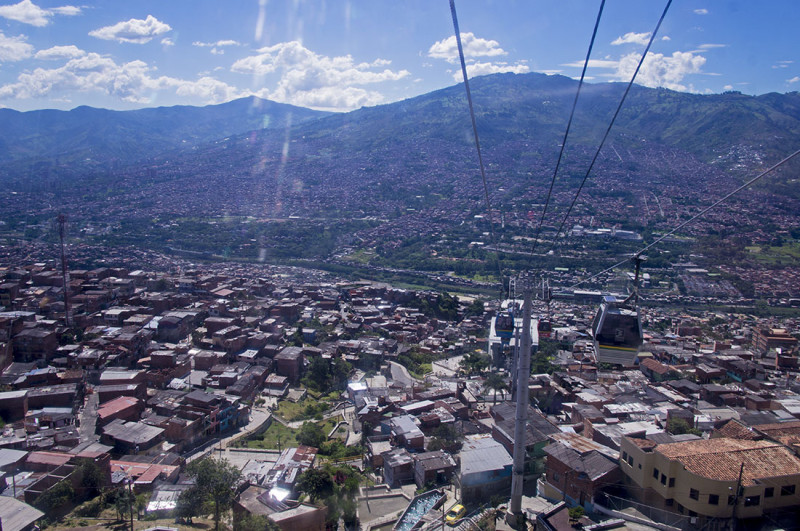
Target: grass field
{"points": [[278, 432]]}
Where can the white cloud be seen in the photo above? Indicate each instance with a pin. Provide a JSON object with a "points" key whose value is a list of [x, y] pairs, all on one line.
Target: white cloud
{"points": [[665, 38], [795, 79], [29, 13], [166, 41], [660, 70], [550, 72], [309, 79], [594, 63], [712, 46], [782, 64], [14, 48], [227, 42], [59, 52], [727, 87], [132, 82], [657, 70], [701, 11], [447, 49], [134, 30], [482, 69], [474, 47], [632, 38]]}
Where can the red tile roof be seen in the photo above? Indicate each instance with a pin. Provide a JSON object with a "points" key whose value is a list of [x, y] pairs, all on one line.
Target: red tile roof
{"points": [[721, 459]]}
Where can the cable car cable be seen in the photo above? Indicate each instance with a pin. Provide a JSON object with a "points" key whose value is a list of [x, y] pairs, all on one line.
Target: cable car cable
{"points": [[696, 216], [610, 125], [477, 140], [569, 125]]}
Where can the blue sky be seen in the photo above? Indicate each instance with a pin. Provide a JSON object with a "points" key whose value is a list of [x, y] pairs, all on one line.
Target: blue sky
{"points": [[342, 55]]}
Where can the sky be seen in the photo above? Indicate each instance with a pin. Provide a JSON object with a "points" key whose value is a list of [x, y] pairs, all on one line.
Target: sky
{"points": [[340, 55]]}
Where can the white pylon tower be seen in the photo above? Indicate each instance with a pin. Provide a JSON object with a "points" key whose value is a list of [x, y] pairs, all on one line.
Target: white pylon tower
{"points": [[523, 371]]}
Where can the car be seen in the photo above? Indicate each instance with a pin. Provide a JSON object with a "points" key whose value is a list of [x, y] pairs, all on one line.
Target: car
{"points": [[455, 514]]}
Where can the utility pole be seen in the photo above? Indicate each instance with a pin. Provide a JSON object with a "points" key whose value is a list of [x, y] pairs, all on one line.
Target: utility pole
{"points": [[523, 366], [736, 497], [62, 230], [130, 499]]}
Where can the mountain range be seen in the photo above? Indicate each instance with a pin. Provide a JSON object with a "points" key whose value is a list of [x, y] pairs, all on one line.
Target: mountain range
{"points": [[405, 169], [509, 107]]}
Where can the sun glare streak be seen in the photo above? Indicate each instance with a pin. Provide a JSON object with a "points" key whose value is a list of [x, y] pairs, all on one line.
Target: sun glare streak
{"points": [[262, 15]]}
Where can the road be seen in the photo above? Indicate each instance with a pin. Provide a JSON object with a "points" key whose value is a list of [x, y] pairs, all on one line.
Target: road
{"points": [[400, 375], [89, 419], [258, 417]]}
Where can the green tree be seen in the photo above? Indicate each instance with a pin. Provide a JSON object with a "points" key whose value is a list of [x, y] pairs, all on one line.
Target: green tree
{"points": [[576, 513], [476, 308], [56, 498], [311, 434], [215, 480], [496, 382], [124, 502], [253, 522], [316, 482], [474, 362], [679, 426], [92, 479], [190, 505]]}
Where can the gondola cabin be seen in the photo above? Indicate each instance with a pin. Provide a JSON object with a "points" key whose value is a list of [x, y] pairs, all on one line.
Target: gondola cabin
{"points": [[504, 326], [545, 329], [617, 332]]}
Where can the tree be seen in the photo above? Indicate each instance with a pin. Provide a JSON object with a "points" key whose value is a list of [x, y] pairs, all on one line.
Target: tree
{"points": [[311, 434], [474, 362], [56, 498], [190, 504], [496, 382], [92, 480], [445, 437], [576, 513], [316, 482], [679, 426], [124, 502], [215, 480], [253, 522]]}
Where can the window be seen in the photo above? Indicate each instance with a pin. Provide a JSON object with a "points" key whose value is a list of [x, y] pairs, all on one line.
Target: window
{"points": [[786, 490], [694, 494], [669, 502], [655, 473], [663, 479], [624, 456], [713, 499], [630, 461], [640, 466], [555, 476], [752, 501], [769, 492], [671, 482], [731, 499]]}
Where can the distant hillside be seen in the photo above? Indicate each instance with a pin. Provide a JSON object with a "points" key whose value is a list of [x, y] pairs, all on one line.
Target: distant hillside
{"points": [[535, 107], [92, 137]]}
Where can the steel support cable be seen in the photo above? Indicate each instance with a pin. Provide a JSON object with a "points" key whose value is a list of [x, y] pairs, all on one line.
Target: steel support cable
{"points": [[610, 125], [477, 140], [696, 216], [569, 125]]}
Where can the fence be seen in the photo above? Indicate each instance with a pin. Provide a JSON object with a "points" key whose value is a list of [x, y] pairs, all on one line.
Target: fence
{"points": [[652, 513]]}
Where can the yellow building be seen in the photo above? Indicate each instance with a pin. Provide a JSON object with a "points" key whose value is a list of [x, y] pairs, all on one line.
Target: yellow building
{"points": [[700, 478]]}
